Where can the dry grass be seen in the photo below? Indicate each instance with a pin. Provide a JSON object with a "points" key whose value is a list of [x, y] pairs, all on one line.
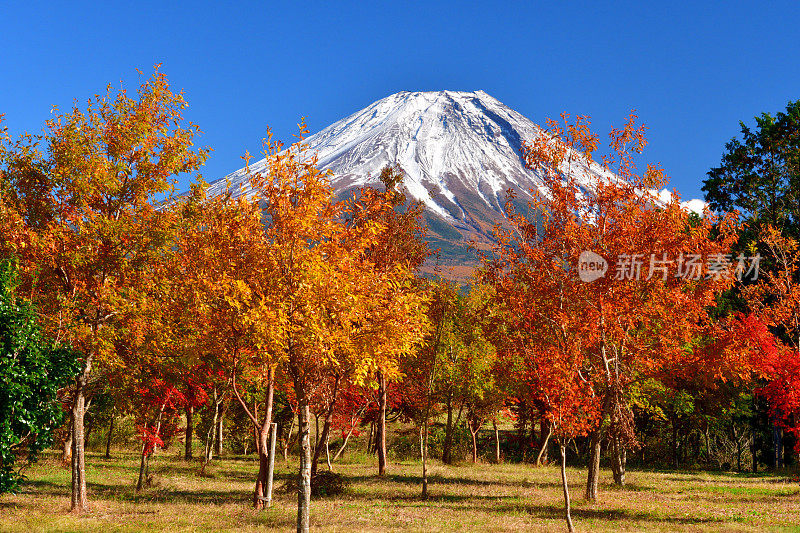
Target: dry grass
{"points": [[463, 498]]}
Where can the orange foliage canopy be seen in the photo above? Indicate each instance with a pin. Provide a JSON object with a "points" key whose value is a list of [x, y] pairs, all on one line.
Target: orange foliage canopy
{"points": [[80, 212], [577, 344]]}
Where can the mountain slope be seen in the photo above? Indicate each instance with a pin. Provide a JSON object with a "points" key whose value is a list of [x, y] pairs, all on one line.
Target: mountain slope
{"points": [[461, 152]]}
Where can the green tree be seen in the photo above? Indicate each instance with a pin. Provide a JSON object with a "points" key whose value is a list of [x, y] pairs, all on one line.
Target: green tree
{"points": [[760, 172], [759, 175], [32, 370]]}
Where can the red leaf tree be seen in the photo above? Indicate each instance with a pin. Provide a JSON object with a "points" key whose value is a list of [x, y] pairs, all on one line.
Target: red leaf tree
{"points": [[603, 333]]}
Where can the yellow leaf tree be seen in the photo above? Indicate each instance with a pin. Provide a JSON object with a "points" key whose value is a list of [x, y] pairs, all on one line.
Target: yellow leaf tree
{"points": [[78, 206], [333, 307]]}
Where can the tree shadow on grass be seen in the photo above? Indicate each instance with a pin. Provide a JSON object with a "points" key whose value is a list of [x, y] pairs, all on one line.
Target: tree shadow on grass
{"points": [[628, 487], [501, 505], [509, 503], [213, 471], [718, 477], [438, 479], [467, 501], [504, 505], [127, 493], [556, 512]]}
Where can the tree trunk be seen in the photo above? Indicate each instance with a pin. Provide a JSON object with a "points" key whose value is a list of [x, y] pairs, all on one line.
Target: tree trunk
{"points": [[542, 456], [304, 485], [619, 460], [474, 446], [142, 465], [66, 452], [208, 448], [593, 475], [567, 514], [273, 438], [187, 454], [211, 436], [474, 428], [381, 424], [496, 442], [288, 441], [369, 439], [328, 454], [448, 433], [675, 456], [108, 438], [259, 496], [421, 451], [425, 459], [326, 427], [79, 500], [220, 420], [316, 434], [255, 419], [341, 449]]}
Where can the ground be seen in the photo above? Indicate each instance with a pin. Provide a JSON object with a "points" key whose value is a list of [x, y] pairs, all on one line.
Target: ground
{"points": [[484, 497]]}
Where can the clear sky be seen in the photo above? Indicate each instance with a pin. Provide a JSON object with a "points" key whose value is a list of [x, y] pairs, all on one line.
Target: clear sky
{"points": [[692, 70]]}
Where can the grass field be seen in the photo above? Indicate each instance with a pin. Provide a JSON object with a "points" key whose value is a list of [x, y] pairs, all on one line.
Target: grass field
{"points": [[507, 497]]}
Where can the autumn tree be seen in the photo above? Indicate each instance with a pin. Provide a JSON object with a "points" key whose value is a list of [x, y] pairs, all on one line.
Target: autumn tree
{"points": [[422, 373], [540, 334], [397, 251], [569, 403], [774, 300], [464, 381], [159, 403], [629, 320], [225, 306], [334, 307], [453, 371], [348, 414], [78, 206]]}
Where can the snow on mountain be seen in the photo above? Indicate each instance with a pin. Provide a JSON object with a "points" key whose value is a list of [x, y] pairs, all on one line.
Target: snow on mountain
{"points": [[461, 152], [445, 141]]}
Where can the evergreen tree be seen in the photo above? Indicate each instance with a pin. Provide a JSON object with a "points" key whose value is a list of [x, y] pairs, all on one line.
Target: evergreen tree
{"points": [[760, 173], [32, 370]]}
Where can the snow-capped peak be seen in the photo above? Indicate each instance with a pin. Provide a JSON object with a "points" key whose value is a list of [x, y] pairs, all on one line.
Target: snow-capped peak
{"points": [[461, 152], [447, 142]]}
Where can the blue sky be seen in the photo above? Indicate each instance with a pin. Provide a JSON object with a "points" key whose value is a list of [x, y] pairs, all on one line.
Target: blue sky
{"points": [[691, 70]]}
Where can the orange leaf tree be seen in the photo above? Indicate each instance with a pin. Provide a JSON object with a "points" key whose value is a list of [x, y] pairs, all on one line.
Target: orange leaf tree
{"points": [[639, 318], [334, 308], [222, 296], [397, 251], [775, 301], [78, 208]]}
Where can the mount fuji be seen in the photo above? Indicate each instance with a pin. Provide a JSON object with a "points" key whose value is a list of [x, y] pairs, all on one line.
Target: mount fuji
{"points": [[460, 151]]}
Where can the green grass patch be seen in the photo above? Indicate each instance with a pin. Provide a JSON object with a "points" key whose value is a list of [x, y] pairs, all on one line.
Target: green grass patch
{"points": [[482, 497]]}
